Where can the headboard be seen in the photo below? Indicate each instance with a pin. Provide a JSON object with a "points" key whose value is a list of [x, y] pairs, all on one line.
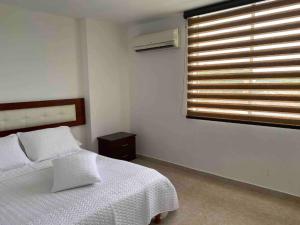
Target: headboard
{"points": [[28, 116]]}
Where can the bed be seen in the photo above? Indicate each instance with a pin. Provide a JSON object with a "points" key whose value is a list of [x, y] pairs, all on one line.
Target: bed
{"points": [[128, 194]]}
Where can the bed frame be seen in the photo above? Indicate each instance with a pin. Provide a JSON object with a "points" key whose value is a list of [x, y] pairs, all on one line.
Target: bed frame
{"points": [[29, 116], [157, 219]]}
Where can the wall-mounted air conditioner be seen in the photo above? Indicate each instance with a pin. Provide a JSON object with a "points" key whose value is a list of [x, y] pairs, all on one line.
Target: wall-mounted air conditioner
{"points": [[164, 39]]}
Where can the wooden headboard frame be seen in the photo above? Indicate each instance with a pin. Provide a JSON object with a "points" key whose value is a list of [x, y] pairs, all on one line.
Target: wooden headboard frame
{"points": [[79, 108]]}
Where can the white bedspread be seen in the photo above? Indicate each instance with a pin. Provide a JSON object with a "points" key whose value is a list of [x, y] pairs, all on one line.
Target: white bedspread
{"points": [[128, 195]]}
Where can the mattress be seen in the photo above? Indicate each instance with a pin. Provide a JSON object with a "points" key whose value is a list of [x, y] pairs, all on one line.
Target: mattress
{"points": [[129, 194]]}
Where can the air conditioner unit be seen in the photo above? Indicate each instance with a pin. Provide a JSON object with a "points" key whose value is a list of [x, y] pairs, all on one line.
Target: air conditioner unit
{"points": [[164, 39]]}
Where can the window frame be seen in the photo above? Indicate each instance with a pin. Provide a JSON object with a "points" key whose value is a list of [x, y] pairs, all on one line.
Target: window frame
{"points": [[210, 9]]}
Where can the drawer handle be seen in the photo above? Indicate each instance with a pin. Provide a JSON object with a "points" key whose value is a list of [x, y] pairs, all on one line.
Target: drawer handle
{"points": [[125, 145]]}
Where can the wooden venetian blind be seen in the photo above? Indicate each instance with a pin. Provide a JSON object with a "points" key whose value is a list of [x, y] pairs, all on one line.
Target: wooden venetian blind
{"points": [[244, 64]]}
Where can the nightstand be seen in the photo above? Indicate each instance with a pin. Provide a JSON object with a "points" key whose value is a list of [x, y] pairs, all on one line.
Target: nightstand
{"points": [[119, 145]]}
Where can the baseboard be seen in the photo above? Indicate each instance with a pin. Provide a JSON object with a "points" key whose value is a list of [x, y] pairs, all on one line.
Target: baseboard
{"points": [[250, 187]]}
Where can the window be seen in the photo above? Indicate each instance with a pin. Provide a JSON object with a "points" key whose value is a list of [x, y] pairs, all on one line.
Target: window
{"points": [[244, 62]]}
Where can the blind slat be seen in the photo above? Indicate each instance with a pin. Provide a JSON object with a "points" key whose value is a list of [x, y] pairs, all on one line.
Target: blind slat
{"points": [[266, 18], [249, 53], [255, 31], [274, 40], [245, 86], [246, 96], [243, 76], [241, 10], [242, 65], [261, 119], [246, 107]]}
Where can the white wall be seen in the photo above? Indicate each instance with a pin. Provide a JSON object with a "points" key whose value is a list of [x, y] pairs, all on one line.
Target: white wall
{"points": [[39, 58], [263, 156], [45, 56], [106, 69]]}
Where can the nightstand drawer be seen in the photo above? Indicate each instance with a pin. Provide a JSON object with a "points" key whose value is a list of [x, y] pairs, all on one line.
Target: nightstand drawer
{"points": [[125, 154], [124, 143]]}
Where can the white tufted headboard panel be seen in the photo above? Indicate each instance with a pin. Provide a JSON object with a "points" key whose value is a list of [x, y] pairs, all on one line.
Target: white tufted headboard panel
{"points": [[25, 116]]}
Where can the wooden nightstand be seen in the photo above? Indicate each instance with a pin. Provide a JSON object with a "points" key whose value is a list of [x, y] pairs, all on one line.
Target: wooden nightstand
{"points": [[118, 145]]}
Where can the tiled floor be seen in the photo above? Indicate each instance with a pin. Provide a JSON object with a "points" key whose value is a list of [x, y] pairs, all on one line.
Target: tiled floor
{"points": [[207, 201]]}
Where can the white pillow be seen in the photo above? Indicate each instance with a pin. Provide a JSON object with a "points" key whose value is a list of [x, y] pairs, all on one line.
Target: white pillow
{"points": [[11, 154], [48, 143], [74, 170]]}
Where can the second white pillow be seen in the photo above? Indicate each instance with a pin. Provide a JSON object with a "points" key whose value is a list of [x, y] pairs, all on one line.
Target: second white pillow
{"points": [[76, 170]]}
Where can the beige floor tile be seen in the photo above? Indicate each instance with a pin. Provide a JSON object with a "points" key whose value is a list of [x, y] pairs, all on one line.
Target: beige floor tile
{"points": [[205, 201]]}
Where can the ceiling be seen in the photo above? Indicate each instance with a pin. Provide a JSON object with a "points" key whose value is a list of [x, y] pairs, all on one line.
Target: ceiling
{"points": [[119, 11]]}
